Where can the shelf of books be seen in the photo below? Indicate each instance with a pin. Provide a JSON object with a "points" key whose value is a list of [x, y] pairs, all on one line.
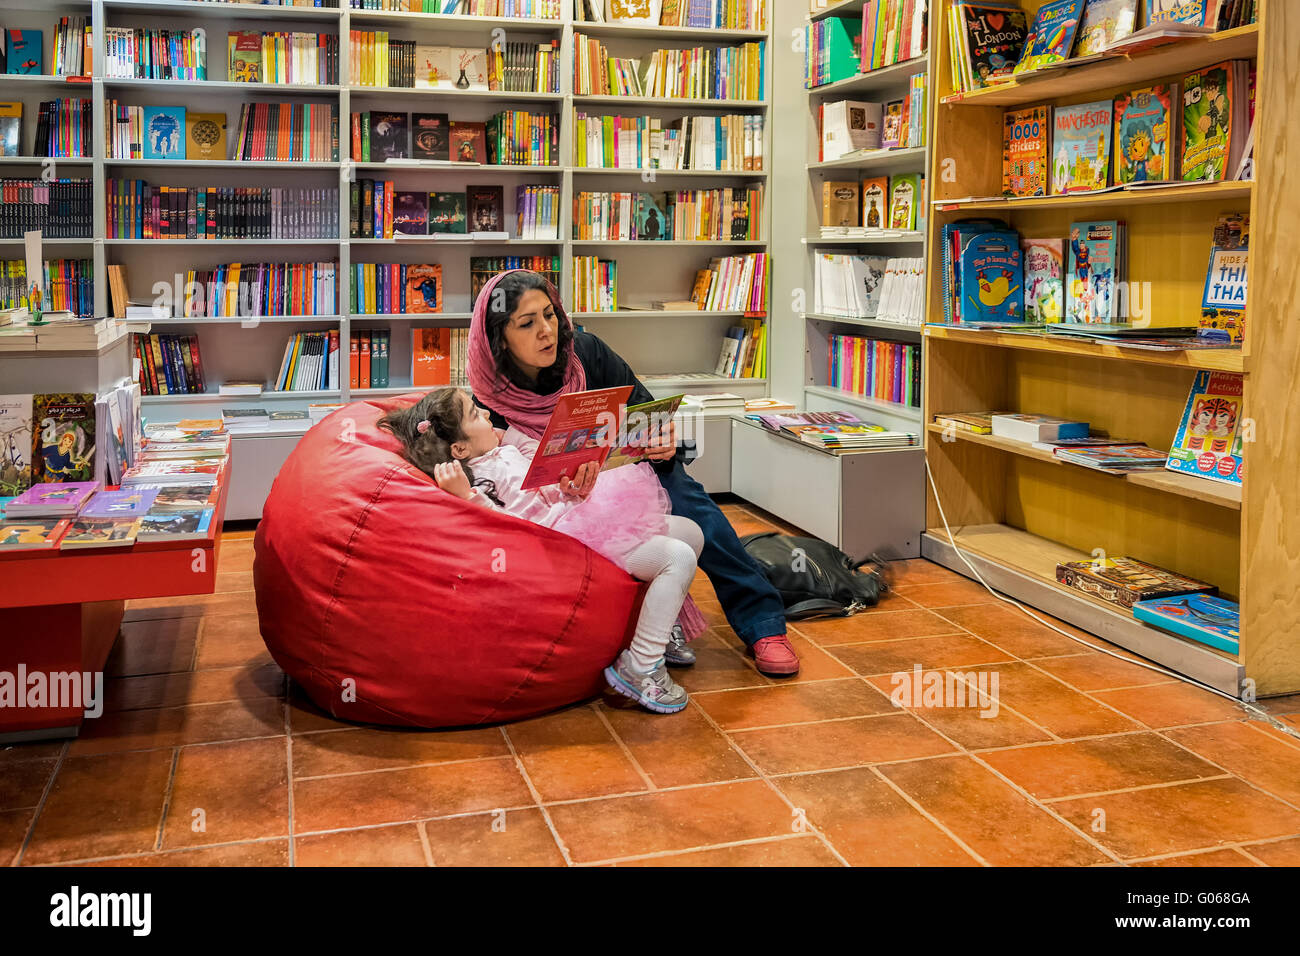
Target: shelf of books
{"points": [[867, 73], [1092, 386]]}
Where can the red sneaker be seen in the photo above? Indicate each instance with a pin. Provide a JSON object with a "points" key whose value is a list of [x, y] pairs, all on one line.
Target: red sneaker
{"points": [[775, 656]]}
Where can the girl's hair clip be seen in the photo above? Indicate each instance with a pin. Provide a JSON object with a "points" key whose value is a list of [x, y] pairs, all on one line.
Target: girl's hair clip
{"points": [[423, 426]]}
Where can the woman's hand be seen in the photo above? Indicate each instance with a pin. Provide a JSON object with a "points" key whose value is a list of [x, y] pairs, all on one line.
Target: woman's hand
{"points": [[451, 478], [582, 482], [663, 444]]}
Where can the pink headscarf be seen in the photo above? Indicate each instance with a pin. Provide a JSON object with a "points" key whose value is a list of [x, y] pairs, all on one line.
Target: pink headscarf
{"points": [[527, 411]]}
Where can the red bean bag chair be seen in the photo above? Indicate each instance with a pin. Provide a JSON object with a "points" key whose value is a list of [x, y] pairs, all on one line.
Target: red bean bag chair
{"points": [[392, 602]]}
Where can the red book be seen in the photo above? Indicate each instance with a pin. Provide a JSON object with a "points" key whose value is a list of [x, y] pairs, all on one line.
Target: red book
{"points": [[365, 359], [354, 363]]}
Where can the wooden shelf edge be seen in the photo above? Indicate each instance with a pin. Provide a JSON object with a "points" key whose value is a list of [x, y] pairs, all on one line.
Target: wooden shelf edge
{"points": [[1187, 486], [1150, 195], [1220, 360], [1174, 653]]}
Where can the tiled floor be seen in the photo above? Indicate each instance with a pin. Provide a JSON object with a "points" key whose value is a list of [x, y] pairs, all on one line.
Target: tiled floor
{"points": [[206, 757]]}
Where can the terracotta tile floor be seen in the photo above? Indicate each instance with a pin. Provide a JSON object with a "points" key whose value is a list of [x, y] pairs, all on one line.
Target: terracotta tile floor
{"points": [[206, 756]]}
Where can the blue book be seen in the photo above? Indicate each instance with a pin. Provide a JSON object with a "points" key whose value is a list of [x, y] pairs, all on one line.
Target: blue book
{"points": [[1096, 252], [175, 525], [1202, 617], [991, 277], [1051, 38], [24, 51], [127, 503], [164, 132]]}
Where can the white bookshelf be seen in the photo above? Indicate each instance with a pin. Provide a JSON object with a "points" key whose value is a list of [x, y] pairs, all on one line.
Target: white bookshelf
{"points": [[657, 344]]}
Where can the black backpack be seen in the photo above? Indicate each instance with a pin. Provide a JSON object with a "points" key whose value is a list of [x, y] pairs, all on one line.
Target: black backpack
{"points": [[815, 578]]}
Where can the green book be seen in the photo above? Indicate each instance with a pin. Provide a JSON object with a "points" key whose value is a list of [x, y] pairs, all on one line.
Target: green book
{"points": [[841, 56]]}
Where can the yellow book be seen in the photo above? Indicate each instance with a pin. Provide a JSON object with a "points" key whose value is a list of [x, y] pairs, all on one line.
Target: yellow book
{"points": [[293, 361]]}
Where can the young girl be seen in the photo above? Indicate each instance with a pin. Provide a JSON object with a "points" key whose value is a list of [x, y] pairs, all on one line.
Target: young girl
{"points": [[625, 518]]}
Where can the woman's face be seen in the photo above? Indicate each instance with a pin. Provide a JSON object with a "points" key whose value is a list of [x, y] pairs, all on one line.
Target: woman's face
{"points": [[532, 333]]}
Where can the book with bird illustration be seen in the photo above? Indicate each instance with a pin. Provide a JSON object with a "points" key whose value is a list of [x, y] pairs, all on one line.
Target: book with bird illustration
{"points": [[991, 276]]}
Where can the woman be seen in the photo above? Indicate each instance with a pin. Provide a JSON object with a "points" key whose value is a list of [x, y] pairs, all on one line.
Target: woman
{"points": [[523, 354]]}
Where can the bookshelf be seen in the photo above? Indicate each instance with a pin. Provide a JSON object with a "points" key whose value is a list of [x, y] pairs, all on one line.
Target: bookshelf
{"points": [[1018, 514], [675, 349], [885, 83]]}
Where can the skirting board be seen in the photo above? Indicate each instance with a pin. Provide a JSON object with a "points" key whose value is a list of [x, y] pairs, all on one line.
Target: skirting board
{"points": [[1171, 652]]}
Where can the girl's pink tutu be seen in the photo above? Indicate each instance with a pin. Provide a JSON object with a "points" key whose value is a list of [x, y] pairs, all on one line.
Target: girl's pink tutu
{"points": [[627, 507]]}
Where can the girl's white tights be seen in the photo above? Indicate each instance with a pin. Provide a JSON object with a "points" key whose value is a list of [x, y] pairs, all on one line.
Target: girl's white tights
{"points": [[668, 563]]}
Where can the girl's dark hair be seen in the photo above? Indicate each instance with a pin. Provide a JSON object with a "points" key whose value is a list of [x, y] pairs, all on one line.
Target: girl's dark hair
{"points": [[503, 300], [444, 411]]}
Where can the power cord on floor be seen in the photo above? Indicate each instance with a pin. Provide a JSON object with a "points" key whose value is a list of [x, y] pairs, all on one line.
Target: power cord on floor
{"points": [[1251, 708]]}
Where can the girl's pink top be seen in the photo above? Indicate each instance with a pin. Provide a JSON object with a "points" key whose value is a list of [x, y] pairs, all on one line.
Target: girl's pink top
{"points": [[506, 466]]}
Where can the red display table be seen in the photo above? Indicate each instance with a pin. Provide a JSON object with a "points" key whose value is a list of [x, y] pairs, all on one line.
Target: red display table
{"points": [[60, 611]]}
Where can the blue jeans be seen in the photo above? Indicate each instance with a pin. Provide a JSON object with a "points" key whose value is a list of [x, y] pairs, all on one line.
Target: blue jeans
{"points": [[753, 607]]}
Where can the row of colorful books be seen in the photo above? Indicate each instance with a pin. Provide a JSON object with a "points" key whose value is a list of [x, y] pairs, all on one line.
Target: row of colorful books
{"points": [[853, 208], [168, 364], [379, 60], [280, 132], [390, 288], [733, 284], [836, 431], [869, 287], [850, 126], [697, 73], [482, 269], [256, 289], [439, 357], [138, 210], [889, 371], [59, 208], [24, 50], [986, 280], [69, 285], [297, 59], [146, 53], [310, 362], [744, 350], [994, 41], [725, 143], [62, 129], [510, 138], [532, 9], [696, 14], [595, 284], [727, 214], [888, 32], [1148, 135], [377, 210]]}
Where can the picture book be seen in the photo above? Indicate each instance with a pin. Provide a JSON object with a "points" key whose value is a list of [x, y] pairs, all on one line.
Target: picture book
{"points": [[63, 437], [31, 534], [1212, 620], [1044, 261], [128, 503], [1207, 123], [100, 533], [1026, 148], [840, 203], [24, 51], [1114, 459], [1124, 581], [181, 497], [1225, 280], [469, 68], [181, 472], [848, 126], [1051, 38], [639, 424], [430, 357], [583, 428], [430, 136], [468, 142], [874, 202], [652, 222], [411, 213], [1194, 12], [388, 136], [956, 237], [175, 525], [1081, 137], [1222, 324], [434, 67], [51, 499], [991, 275], [1208, 442], [1095, 250], [981, 423], [786, 420], [906, 194], [11, 125], [245, 57], [15, 444], [992, 37], [447, 214], [891, 127], [486, 209], [164, 132], [1143, 120], [424, 289], [1104, 22], [205, 136]]}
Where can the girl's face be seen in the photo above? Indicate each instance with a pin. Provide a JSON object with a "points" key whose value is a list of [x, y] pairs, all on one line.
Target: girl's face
{"points": [[476, 426], [533, 334]]}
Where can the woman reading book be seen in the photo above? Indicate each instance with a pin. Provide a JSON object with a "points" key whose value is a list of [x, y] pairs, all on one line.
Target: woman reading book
{"points": [[524, 353]]}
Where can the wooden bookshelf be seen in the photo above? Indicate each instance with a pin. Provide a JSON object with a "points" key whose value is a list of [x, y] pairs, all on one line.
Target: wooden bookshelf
{"points": [[1016, 511]]}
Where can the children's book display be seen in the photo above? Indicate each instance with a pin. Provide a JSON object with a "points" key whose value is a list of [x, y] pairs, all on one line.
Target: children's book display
{"points": [[1026, 149], [1209, 440], [987, 40], [1044, 261], [1051, 38], [873, 207], [1098, 265], [1223, 302], [983, 278]]}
